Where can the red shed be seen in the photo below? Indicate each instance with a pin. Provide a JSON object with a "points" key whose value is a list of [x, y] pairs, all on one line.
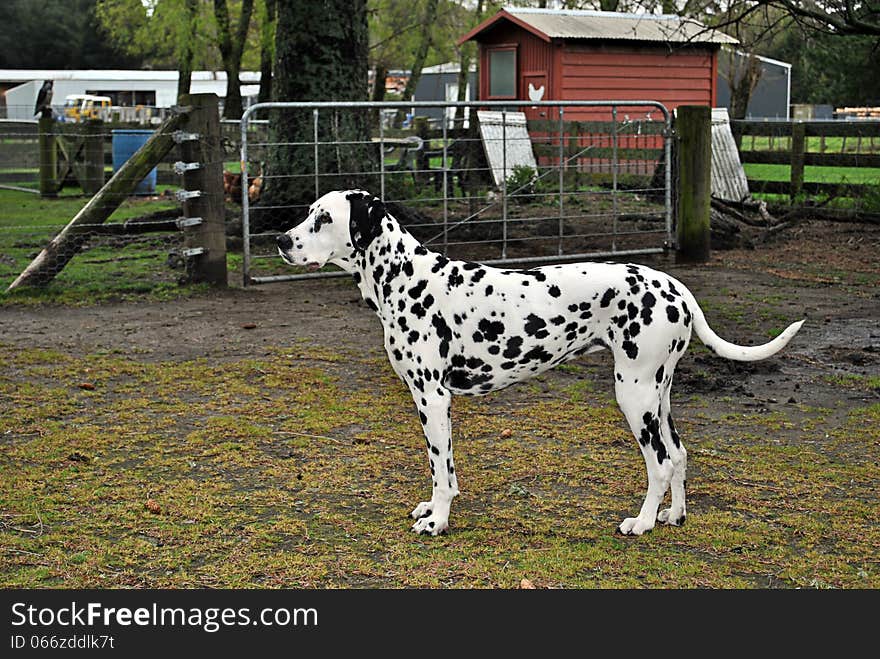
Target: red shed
{"points": [[542, 54]]}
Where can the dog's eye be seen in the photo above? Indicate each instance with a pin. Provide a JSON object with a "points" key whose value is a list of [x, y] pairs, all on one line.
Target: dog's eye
{"points": [[321, 219]]}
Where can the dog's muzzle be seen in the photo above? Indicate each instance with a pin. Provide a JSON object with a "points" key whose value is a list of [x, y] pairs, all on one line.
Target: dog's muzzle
{"points": [[285, 243]]}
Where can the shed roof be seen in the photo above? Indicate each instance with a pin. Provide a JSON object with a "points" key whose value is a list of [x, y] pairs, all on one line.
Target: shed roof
{"points": [[550, 24], [25, 75]]}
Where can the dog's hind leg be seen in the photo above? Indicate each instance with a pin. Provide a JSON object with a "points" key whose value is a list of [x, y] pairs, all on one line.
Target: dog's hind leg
{"points": [[677, 511], [435, 414], [640, 404]]}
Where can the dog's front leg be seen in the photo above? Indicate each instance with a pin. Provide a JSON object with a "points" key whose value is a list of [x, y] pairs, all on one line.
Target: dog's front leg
{"points": [[434, 413]]}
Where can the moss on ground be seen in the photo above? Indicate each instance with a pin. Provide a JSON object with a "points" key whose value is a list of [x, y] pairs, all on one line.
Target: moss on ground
{"points": [[297, 470]]}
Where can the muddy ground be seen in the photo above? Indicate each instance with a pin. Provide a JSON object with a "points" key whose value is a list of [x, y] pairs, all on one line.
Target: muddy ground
{"points": [[824, 272], [806, 401]]}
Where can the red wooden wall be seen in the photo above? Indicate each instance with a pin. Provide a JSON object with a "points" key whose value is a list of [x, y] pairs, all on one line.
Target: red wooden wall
{"points": [[590, 70], [685, 76]]}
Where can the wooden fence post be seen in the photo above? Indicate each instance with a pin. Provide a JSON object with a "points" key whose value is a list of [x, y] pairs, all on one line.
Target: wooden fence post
{"points": [[210, 235], [798, 140], [93, 155], [693, 128], [48, 156]]}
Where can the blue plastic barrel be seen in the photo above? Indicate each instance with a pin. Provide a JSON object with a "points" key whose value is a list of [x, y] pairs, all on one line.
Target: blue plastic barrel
{"points": [[125, 143]]}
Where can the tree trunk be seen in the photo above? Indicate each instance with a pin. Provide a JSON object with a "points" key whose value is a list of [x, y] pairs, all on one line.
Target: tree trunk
{"points": [[743, 80], [319, 56], [464, 75], [231, 48], [185, 62], [415, 73], [267, 50], [464, 66], [378, 93]]}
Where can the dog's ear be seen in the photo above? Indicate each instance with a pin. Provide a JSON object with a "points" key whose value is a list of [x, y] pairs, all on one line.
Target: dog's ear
{"points": [[365, 218]]}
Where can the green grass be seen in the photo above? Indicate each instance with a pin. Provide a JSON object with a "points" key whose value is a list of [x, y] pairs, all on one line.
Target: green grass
{"points": [[814, 144], [815, 174], [107, 268], [250, 491], [870, 383]]}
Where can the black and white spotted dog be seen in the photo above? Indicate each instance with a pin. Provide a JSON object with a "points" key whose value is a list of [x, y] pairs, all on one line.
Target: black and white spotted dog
{"points": [[454, 327]]}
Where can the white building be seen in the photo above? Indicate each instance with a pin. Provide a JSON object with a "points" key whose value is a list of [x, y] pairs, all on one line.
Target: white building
{"points": [[19, 87]]}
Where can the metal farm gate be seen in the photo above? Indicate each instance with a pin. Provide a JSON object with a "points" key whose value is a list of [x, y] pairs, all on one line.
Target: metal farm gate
{"points": [[491, 181]]}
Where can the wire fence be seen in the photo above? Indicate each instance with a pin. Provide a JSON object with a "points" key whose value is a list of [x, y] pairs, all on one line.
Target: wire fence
{"points": [[487, 181], [49, 172]]}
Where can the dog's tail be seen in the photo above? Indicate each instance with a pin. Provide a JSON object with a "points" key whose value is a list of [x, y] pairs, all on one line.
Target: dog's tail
{"points": [[735, 352]]}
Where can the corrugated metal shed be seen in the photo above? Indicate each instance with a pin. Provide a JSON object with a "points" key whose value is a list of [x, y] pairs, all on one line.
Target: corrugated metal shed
{"points": [[507, 143], [583, 24], [728, 176]]}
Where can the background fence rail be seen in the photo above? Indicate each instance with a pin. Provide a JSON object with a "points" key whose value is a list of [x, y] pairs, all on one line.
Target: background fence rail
{"points": [[852, 147]]}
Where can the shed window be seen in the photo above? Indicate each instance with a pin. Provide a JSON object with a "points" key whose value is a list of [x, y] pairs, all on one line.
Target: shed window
{"points": [[502, 73]]}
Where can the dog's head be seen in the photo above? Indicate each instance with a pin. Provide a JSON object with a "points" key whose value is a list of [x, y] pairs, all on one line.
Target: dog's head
{"points": [[339, 226]]}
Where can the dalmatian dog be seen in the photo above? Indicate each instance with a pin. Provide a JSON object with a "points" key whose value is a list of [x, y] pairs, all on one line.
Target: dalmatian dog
{"points": [[456, 327]]}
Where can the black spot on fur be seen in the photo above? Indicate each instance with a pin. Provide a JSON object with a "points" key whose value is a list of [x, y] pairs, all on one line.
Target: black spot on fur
{"points": [[440, 263], [554, 291], [676, 439], [444, 332], [536, 354], [535, 327], [672, 313], [609, 295], [416, 291], [631, 349], [514, 344], [651, 434], [491, 329]]}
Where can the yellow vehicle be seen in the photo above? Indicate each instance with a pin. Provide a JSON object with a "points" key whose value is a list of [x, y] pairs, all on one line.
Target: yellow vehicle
{"points": [[79, 107]]}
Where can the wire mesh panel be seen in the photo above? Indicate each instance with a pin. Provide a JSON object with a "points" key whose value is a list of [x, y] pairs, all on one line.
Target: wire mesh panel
{"points": [[19, 154], [557, 180], [50, 172]]}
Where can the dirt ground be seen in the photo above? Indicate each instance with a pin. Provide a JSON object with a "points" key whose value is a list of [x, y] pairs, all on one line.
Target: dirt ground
{"points": [[824, 272], [821, 395]]}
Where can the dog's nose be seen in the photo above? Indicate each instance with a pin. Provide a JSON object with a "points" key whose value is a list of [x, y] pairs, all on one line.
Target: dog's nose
{"points": [[284, 242]]}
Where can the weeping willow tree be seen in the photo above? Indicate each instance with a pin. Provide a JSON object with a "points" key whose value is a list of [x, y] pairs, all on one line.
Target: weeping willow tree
{"points": [[320, 55]]}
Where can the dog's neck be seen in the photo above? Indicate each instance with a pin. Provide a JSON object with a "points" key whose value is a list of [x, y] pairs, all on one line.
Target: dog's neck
{"points": [[382, 265]]}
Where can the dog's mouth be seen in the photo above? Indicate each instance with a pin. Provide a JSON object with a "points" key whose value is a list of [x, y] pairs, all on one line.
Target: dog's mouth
{"points": [[311, 266]]}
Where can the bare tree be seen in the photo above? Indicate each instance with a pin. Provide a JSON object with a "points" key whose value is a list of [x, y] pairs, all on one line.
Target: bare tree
{"points": [[186, 49], [231, 47], [842, 17], [743, 73], [267, 13], [421, 54]]}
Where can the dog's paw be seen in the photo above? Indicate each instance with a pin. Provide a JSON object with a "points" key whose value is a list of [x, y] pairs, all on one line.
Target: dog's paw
{"points": [[634, 526], [424, 509], [666, 516], [431, 525]]}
